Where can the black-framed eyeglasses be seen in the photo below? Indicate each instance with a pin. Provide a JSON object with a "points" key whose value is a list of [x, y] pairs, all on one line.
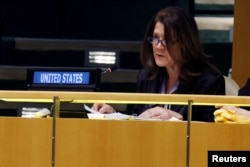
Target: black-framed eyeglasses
{"points": [[156, 41]]}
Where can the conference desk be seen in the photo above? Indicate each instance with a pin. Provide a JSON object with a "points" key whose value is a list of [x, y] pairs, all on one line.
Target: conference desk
{"points": [[114, 143], [30, 142]]}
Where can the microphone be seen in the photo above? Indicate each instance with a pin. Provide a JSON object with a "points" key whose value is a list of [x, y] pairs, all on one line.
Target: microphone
{"points": [[109, 70]]}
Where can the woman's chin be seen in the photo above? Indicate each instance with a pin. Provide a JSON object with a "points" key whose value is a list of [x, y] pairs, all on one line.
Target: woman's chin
{"points": [[160, 64]]}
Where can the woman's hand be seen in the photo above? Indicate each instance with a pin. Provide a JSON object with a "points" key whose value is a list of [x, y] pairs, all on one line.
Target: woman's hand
{"points": [[103, 108], [238, 110], [231, 114], [160, 113]]}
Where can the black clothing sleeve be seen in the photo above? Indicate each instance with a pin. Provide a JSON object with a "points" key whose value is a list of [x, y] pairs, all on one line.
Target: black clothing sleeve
{"points": [[245, 91], [209, 82]]}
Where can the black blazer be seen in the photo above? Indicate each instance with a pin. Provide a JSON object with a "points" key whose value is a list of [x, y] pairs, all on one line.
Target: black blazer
{"points": [[210, 82], [245, 91]]}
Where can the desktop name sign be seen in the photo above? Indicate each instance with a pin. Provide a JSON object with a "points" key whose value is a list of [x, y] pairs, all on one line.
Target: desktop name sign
{"points": [[63, 79], [68, 78]]}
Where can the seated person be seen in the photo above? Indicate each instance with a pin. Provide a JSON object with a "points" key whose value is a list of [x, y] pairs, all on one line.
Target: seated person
{"points": [[245, 90], [174, 63], [233, 114]]}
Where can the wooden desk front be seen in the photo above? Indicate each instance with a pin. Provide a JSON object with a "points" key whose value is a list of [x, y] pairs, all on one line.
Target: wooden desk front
{"points": [[111, 143]]}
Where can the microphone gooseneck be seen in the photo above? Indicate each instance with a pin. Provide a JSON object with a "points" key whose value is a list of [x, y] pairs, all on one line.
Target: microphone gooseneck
{"points": [[109, 69]]}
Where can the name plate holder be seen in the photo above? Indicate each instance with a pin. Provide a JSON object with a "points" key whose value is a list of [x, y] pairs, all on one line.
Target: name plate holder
{"points": [[74, 79]]}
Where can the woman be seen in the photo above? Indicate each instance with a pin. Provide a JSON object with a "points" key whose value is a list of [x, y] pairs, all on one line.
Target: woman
{"points": [[234, 114], [174, 63]]}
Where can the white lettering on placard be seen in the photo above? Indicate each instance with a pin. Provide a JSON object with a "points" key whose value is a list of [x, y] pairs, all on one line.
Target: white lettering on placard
{"points": [[216, 158], [50, 78], [72, 78]]}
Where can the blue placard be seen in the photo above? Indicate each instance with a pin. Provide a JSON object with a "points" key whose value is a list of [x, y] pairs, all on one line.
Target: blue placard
{"points": [[61, 78]]}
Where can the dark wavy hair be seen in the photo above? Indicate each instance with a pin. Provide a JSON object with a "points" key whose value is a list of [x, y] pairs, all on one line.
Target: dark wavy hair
{"points": [[179, 28]]}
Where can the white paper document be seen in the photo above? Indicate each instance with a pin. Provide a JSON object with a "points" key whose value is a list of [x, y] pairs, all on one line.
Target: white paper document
{"points": [[95, 114], [119, 116]]}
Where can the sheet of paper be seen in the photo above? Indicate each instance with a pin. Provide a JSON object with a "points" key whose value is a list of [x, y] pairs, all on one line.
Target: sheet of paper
{"points": [[90, 110], [115, 115], [120, 116]]}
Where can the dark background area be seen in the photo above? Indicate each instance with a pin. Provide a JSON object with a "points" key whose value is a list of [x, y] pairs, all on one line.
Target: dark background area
{"points": [[111, 20], [80, 19], [94, 20]]}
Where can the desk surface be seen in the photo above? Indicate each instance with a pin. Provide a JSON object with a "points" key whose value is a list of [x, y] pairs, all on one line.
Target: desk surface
{"points": [[122, 98], [112, 143]]}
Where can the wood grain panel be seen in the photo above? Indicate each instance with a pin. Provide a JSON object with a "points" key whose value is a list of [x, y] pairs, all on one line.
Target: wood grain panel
{"points": [[114, 143]]}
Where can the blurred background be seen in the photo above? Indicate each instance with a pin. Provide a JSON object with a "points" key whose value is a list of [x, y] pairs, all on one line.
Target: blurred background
{"points": [[64, 33], [61, 33]]}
